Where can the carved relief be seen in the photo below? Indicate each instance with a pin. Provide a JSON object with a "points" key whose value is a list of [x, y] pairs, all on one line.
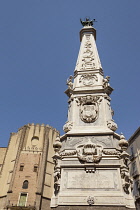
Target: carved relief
{"points": [[111, 152], [90, 153], [68, 126], [73, 142], [57, 171], [126, 180], [68, 153], [106, 82], [88, 79], [70, 83], [90, 200], [88, 57], [124, 169], [89, 108], [57, 176], [112, 125]]}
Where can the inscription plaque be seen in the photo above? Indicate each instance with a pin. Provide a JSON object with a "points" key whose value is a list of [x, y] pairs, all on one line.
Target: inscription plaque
{"points": [[101, 179]]}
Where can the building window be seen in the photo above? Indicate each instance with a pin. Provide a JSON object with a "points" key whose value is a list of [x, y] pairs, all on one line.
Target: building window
{"points": [[25, 184], [35, 168], [21, 167], [22, 199]]}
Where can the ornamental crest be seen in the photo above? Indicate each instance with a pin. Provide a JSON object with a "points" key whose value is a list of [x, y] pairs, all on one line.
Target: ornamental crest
{"points": [[90, 152], [89, 108], [88, 79]]}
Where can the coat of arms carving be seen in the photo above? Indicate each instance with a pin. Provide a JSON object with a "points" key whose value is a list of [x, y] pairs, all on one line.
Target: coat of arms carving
{"points": [[89, 108], [89, 152]]}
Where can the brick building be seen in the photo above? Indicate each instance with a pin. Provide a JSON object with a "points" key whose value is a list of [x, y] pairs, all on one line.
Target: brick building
{"points": [[26, 168]]}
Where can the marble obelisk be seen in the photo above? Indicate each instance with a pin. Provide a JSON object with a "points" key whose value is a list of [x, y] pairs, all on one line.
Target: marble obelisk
{"points": [[91, 168]]}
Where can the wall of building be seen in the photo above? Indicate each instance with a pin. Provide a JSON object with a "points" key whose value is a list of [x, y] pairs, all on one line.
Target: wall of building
{"points": [[134, 165], [2, 155], [28, 167]]}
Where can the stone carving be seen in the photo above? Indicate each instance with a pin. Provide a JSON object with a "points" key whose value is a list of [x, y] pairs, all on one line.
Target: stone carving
{"points": [[68, 153], [90, 200], [68, 126], [57, 176], [70, 83], [90, 170], [57, 171], [112, 125], [111, 152], [100, 179], [88, 60], [106, 82], [73, 142], [124, 169], [89, 108], [90, 153], [88, 79]]}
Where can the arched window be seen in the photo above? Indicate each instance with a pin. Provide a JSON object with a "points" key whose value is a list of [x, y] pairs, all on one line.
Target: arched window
{"points": [[25, 184]]}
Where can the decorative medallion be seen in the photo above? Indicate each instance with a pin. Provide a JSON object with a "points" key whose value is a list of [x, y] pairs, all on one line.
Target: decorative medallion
{"points": [[88, 79], [89, 108]]}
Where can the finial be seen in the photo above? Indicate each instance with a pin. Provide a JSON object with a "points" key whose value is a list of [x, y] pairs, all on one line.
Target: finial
{"points": [[87, 22]]}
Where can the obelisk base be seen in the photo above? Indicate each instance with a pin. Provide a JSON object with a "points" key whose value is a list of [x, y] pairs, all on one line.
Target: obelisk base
{"points": [[92, 208]]}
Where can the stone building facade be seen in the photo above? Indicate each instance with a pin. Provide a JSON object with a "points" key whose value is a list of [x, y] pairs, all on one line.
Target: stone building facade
{"points": [[26, 168], [134, 165]]}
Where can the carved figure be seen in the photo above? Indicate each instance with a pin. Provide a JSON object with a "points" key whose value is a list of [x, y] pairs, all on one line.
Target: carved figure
{"points": [[57, 176], [106, 82], [126, 180], [87, 22], [56, 158], [69, 82]]}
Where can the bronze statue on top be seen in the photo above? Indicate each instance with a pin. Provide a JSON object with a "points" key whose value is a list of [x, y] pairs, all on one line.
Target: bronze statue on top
{"points": [[87, 22]]}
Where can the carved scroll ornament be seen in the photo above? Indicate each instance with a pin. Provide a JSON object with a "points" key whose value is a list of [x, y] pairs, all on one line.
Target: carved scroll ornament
{"points": [[112, 125], [68, 126]]}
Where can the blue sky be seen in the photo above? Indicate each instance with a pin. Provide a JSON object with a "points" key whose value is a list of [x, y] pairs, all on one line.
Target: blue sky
{"points": [[39, 44]]}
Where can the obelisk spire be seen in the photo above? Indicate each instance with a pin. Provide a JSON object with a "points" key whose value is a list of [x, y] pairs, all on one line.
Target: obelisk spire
{"points": [[88, 58]]}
